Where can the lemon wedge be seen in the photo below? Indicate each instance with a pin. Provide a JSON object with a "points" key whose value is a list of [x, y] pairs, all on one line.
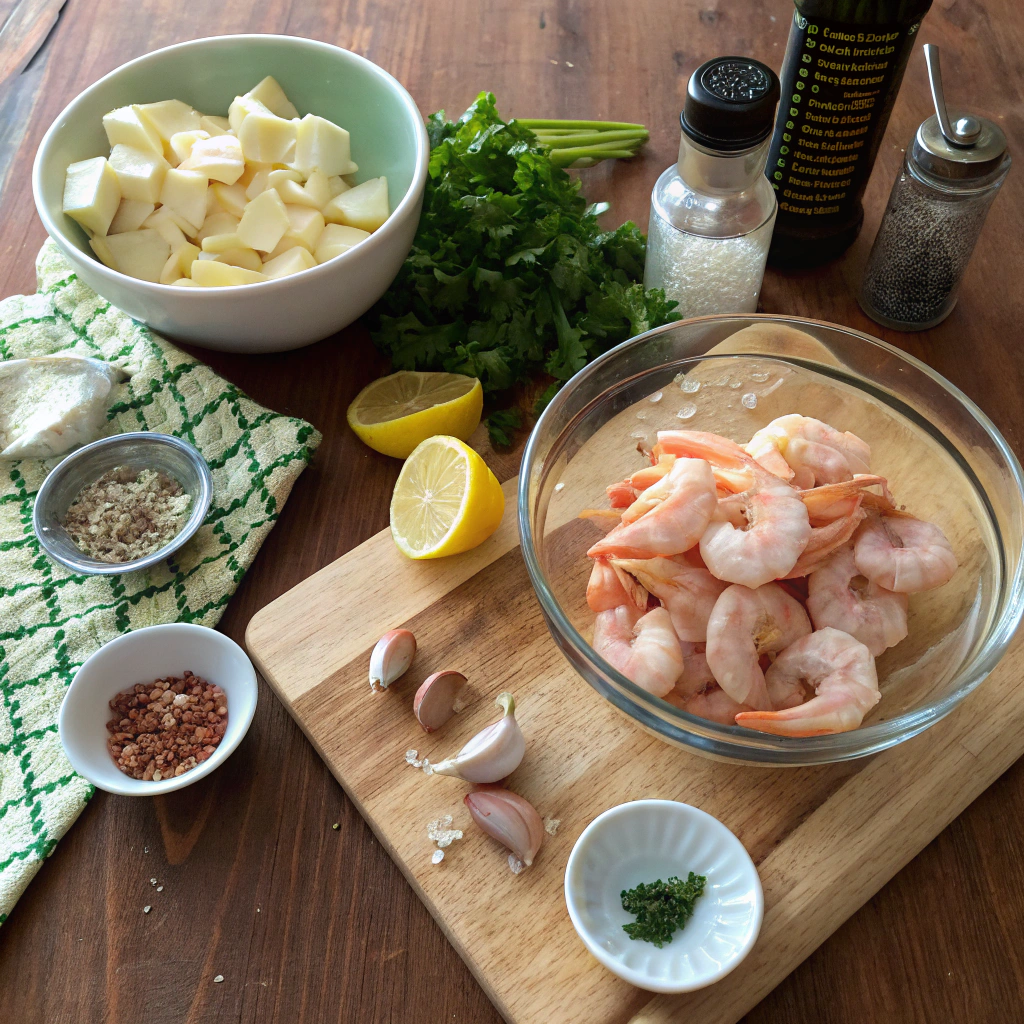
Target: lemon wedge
{"points": [[446, 500], [394, 414]]}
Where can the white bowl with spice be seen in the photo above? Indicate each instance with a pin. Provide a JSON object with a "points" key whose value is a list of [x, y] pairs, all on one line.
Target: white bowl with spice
{"points": [[648, 843], [122, 503], [170, 708]]}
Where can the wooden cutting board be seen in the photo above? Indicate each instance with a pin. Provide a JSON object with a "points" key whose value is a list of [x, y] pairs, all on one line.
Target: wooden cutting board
{"points": [[824, 839]]}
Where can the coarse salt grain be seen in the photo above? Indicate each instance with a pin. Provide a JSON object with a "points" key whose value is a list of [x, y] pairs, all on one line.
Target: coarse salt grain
{"points": [[515, 865], [146, 910], [218, 979], [412, 757], [437, 856], [440, 831], [551, 825]]}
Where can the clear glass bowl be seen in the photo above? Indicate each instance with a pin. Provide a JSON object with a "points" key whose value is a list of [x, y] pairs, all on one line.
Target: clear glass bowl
{"points": [[945, 461]]}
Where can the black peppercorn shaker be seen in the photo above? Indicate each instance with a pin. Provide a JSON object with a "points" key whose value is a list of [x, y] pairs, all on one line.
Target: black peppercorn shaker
{"points": [[936, 211]]}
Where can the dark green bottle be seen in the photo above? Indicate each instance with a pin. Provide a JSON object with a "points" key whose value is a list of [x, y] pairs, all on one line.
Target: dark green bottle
{"points": [[842, 70]]}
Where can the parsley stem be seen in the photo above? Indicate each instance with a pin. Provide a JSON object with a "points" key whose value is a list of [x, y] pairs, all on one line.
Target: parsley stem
{"points": [[534, 123], [587, 138]]}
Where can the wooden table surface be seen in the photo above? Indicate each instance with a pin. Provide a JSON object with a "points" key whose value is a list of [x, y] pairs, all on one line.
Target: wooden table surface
{"points": [[308, 924]]}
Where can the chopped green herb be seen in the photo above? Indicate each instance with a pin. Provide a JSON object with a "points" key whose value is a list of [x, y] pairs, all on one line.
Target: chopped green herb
{"points": [[661, 907], [510, 274], [500, 426]]}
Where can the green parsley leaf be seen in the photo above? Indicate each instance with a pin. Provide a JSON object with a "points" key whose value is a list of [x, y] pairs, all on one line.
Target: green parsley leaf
{"points": [[500, 425], [661, 907]]}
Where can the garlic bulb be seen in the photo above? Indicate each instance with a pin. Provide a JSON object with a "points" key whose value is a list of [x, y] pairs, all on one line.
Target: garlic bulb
{"points": [[509, 818], [391, 657], [492, 753]]}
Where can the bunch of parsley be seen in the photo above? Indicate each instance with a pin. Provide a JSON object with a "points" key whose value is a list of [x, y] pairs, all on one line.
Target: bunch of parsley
{"points": [[509, 274]]}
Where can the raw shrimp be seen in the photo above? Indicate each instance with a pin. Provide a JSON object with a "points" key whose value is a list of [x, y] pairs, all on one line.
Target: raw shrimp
{"points": [[609, 587], [834, 501], [775, 527], [826, 539], [668, 518], [808, 451], [712, 703], [839, 596], [623, 493], [687, 593], [842, 674], [644, 648], [903, 554], [744, 625]]}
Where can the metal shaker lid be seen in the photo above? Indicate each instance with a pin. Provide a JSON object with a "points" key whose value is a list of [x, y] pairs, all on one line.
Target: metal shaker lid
{"points": [[963, 147]]}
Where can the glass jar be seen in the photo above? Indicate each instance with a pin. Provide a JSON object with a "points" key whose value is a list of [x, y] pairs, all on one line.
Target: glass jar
{"points": [[936, 211], [712, 212], [923, 247]]}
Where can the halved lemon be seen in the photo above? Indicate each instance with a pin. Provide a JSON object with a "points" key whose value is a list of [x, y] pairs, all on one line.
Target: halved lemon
{"points": [[446, 500], [394, 414]]}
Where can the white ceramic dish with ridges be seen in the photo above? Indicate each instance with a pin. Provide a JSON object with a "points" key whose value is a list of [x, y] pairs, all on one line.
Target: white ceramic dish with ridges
{"points": [[648, 839]]}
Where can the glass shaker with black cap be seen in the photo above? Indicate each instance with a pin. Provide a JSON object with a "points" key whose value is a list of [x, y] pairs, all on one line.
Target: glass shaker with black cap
{"points": [[712, 212]]}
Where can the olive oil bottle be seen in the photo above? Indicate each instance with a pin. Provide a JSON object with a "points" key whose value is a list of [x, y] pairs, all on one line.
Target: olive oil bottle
{"points": [[842, 70]]}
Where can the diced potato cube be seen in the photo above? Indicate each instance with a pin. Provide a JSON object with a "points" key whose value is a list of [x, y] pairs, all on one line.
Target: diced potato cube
{"points": [[217, 224], [172, 270], [213, 125], [365, 206], [336, 239], [279, 176], [272, 96], [315, 193], [169, 224], [336, 184], [124, 127], [130, 216], [232, 198], [181, 144], [248, 258], [168, 117], [184, 192], [267, 138], [207, 255], [186, 254], [305, 225], [241, 107], [291, 262], [140, 173], [321, 145], [214, 274], [258, 184], [185, 282], [222, 243], [264, 222], [219, 158], [140, 254], [102, 250], [92, 194]]}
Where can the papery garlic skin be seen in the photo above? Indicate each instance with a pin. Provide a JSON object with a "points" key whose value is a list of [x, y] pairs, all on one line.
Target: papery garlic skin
{"points": [[493, 753], [391, 658], [509, 818]]}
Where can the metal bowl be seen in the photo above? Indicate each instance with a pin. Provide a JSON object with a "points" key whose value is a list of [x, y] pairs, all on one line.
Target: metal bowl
{"points": [[139, 450]]}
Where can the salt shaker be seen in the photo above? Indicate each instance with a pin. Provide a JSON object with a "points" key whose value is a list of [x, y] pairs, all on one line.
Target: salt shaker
{"points": [[713, 211], [936, 211]]}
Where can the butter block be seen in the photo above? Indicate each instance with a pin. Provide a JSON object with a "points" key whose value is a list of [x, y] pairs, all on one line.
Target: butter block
{"points": [[92, 194]]}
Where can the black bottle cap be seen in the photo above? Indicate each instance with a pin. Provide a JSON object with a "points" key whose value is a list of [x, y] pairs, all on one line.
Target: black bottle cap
{"points": [[730, 103]]}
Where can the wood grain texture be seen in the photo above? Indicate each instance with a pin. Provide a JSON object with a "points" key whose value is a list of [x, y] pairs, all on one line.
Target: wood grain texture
{"points": [[339, 935]]}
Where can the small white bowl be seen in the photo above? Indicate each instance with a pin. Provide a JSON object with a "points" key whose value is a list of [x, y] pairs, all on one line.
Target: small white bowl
{"points": [[650, 839], [142, 656]]}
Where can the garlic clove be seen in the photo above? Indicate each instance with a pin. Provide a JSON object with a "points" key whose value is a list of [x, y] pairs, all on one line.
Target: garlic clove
{"points": [[391, 657], [493, 752], [434, 702], [509, 818]]}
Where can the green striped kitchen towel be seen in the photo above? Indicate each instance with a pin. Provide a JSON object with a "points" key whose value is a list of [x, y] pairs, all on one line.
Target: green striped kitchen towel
{"points": [[52, 620]]}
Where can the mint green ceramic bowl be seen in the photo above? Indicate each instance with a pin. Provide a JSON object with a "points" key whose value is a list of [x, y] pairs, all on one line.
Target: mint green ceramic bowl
{"points": [[388, 138]]}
